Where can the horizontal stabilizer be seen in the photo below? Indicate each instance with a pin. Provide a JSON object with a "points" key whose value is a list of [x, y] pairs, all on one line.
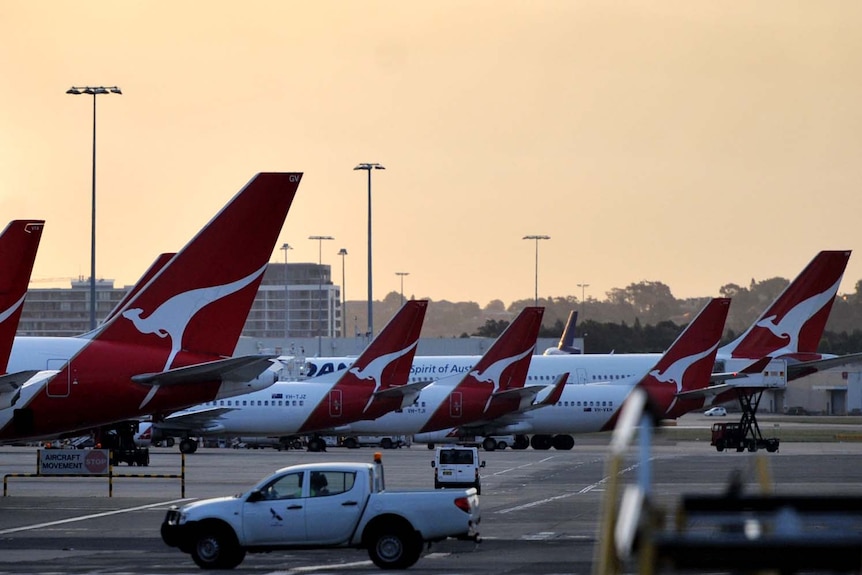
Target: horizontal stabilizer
{"points": [[754, 368], [10, 386], [407, 393], [243, 368], [797, 370]]}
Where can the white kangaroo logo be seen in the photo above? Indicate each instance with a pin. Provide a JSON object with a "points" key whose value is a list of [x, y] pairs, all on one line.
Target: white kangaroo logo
{"points": [[675, 373], [7, 313], [493, 372], [375, 367], [789, 326], [172, 317]]}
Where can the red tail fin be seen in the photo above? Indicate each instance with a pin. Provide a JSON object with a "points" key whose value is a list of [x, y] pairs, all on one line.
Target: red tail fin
{"points": [[688, 362], [385, 363], [200, 300], [154, 268], [504, 366], [18, 245], [795, 321]]}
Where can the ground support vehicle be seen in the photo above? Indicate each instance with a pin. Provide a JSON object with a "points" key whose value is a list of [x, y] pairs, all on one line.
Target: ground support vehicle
{"points": [[745, 434], [457, 466], [322, 505]]}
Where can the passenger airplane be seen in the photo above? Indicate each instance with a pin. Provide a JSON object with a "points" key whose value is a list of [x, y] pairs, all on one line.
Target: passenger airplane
{"points": [[685, 366], [19, 242], [492, 389], [170, 346], [801, 311], [374, 385]]}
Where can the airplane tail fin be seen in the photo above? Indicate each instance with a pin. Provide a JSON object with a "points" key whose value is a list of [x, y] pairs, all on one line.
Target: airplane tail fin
{"points": [[688, 362], [383, 365], [566, 345], [199, 301], [507, 361], [795, 321], [19, 242], [154, 268]]}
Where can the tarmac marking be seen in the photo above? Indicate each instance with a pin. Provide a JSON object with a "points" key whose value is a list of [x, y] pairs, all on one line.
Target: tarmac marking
{"points": [[92, 516], [586, 489], [523, 466]]}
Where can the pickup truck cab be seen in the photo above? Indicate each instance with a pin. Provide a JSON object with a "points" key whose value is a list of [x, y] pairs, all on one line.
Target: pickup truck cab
{"points": [[322, 505], [457, 466]]}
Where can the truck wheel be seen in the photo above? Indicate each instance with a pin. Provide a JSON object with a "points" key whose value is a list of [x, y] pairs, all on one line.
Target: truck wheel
{"points": [[386, 443], [489, 444], [351, 443], [392, 548], [216, 548]]}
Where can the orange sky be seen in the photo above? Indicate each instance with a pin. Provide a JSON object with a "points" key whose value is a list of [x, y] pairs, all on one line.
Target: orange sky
{"points": [[693, 143]]}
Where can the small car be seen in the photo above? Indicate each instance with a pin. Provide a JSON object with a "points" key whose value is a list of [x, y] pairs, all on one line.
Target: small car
{"points": [[716, 411]]}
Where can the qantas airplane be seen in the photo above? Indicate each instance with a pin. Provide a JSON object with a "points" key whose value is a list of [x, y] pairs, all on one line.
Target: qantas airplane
{"points": [[170, 346], [374, 385], [19, 242], [491, 389], [788, 332], [685, 366]]}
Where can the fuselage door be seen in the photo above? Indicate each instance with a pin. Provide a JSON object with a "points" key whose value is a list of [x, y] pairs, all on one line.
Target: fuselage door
{"points": [[59, 385]]}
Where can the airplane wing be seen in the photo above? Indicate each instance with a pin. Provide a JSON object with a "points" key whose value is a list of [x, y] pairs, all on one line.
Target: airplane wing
{"points": [[242, 368], [10, 386], [712, 391], [200, 419]]}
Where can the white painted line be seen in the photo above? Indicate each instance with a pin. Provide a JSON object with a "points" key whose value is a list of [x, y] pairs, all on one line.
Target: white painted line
{"points": [[85, 517]]}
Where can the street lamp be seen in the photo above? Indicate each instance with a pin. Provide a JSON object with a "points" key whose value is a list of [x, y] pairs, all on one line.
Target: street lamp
{"points": [[537, 238], [94, 91], [583, 299], [343, 252], [369, 167], [284, 248], [402, 274], [320, 286]]}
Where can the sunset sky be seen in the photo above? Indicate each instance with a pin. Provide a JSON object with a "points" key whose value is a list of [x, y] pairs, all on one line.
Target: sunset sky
{"points": [[692, 143]]}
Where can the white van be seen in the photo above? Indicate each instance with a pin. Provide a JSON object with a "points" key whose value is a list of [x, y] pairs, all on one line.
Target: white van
{"points": [[457, 466]]}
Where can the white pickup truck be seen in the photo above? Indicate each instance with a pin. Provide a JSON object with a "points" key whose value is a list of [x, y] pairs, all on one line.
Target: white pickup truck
{"points": [[322, 505]]}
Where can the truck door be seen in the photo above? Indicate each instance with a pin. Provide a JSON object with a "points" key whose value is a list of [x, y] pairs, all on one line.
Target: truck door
{"points": [[332, 514], [278, 518]]}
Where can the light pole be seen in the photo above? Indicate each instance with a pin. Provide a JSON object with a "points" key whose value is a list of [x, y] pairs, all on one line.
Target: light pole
{"points": [[583, 299], [343, 252], [94, 91], [402, 274], [368, 167], [537, 238], [320, 287], [284, 248]]}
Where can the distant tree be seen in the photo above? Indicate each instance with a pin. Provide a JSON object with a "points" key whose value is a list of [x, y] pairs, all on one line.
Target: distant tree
{"points": [[492, 328]]}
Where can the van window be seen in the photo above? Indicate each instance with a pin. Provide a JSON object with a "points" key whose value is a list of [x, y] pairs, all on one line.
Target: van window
{"points": [[456, 457]]}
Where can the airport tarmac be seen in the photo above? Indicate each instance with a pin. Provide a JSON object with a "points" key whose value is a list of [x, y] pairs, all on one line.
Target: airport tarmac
{"points": [[540, 509]]}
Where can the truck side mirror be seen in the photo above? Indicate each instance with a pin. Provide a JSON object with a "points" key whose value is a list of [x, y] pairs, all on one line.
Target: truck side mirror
{"points": [[482, 464], [432, 464]]}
